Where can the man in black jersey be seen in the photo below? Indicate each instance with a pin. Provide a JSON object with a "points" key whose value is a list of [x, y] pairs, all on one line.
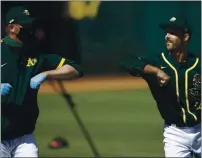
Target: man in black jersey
{"points": [[174, 78]]}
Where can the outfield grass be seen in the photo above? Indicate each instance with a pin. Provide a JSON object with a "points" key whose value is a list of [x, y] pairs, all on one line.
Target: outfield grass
{"points": [[121, 123]]}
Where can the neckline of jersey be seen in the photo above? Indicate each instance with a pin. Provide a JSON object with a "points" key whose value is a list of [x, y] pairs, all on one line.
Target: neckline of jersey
{"points": [[12, 42]]}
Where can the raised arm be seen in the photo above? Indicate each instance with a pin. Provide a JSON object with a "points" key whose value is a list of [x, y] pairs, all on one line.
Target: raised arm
{"points": [[57, 68], [138, 66]]}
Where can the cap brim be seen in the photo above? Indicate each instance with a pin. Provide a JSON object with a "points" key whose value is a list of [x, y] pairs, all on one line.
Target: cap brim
{"points": [[166, 26], [27, 21]]}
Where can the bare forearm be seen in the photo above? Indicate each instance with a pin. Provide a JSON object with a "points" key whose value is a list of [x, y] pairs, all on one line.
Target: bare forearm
{"points": [[151, 69], [64, 73], [161, 75]]}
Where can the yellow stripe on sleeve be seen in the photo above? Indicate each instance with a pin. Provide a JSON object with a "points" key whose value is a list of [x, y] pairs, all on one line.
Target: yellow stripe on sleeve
{"points": [[61, 63]]}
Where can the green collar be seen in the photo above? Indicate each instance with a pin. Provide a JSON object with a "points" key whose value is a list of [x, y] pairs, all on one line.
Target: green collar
{"points": [[190, 60], [16, 47], [12, 42]]}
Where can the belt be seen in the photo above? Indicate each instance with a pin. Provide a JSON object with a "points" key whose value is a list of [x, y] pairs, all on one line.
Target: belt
{"points": [[184, 124]]}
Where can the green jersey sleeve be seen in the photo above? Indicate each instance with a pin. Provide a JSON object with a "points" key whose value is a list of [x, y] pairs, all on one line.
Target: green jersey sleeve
{"points": [[135, 64], [54, 61]]}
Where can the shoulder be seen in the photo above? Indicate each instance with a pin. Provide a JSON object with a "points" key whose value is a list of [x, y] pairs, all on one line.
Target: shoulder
{"points": [[195, 62], [42, 55], [195, 57], [2, 41], [155, 58], [3, 45], [50, 56], [156, 55]]}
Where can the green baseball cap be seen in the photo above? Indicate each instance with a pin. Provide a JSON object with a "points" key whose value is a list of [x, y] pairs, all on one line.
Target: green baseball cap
{"points": [[176, 23], [19, 15]]}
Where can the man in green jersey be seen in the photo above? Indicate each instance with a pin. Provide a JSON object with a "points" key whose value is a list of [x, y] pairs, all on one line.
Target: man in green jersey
{"points": [[174, 79], [23, 70]]}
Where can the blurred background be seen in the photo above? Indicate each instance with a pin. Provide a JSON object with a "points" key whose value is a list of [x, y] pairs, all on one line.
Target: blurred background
{"points": [[118, 110]]}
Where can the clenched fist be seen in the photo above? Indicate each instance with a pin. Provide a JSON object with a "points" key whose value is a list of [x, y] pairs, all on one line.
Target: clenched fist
{"points": [[5, 88], [163, 78]]}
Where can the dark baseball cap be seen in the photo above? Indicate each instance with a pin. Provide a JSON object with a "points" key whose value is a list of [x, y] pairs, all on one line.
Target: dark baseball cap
{"points": [[176, 23], [19, 15]]}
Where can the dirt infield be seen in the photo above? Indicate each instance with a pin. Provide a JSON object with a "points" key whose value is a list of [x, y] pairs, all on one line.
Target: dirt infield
{"points": [[96, 83]]}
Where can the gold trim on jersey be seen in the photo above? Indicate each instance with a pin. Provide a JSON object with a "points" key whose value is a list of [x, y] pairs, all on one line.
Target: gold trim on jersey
{"points": [[186, 87], [184, 115], [176, 74], [177, 83], [61, 63]]}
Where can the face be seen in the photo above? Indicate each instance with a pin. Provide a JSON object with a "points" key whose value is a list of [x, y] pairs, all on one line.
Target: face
{"points": [[174, 39], [26, 32], [26, 35], [23, 33]]}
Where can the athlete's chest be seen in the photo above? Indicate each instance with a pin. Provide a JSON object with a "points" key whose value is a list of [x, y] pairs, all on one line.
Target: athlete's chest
{"points": [[185, 77], [13, 67], [184, 73], [17, 71]]}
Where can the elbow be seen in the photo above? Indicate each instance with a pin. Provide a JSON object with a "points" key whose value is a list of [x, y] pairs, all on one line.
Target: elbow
{"points": [[76, 71], [80, 74]]}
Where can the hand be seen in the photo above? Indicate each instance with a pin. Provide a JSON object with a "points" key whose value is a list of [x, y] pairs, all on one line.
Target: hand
{"points": [[37, 80], [5, 88], [163, 78]]}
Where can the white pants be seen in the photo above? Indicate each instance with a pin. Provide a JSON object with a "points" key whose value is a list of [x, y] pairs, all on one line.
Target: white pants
{"points": [[24, 146], [182, 141]]}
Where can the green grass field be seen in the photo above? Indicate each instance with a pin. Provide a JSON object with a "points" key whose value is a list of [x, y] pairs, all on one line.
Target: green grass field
{"points": [[121, 123]]}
